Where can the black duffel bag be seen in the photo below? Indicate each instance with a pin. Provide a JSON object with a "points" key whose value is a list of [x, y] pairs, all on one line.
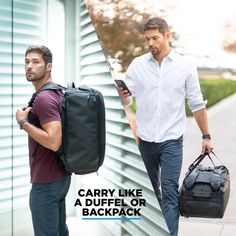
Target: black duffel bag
{"points": [[205, 190]]}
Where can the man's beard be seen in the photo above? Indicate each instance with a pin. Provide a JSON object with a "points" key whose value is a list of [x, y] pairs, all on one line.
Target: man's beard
{"points": [[34, 77], [155, 52]]}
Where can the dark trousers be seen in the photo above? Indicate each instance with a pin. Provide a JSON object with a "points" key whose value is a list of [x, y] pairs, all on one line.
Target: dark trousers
{"points": [[48, 209], [163, 162]]}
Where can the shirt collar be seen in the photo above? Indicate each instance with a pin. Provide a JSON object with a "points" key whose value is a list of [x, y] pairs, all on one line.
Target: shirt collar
{"points": [[171, 55]]}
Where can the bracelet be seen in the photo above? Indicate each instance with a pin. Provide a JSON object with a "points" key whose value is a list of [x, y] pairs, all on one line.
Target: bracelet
{"points": [[206, 136], [21, 122]]}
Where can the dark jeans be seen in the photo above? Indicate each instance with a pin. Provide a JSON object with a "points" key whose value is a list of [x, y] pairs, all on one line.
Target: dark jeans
{"points": [[48, 209], [163, 162]]}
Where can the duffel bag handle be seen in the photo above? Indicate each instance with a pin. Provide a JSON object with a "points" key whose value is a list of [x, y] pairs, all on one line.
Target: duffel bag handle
{"points": [[199, 160]]}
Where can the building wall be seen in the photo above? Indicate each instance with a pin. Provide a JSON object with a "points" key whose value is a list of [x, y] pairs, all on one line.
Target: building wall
{"points": [[22, 23]]}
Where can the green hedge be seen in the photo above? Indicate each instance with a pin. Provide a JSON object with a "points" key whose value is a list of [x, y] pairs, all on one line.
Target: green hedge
{"points": [[213, 91]]}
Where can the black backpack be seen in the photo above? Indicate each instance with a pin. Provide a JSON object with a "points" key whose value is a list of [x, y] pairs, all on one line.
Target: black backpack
{"points": [[83, 128]]}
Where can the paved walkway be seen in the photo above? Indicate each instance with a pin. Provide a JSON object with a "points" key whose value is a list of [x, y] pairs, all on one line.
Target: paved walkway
{"points": [[222, 122]]}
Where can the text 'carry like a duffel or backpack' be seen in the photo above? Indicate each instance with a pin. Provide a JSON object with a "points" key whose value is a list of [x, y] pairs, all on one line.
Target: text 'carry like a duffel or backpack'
{"points": [[83, 128], [205, 190]]}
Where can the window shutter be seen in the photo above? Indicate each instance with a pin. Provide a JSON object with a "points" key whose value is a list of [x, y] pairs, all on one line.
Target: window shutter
{"points": [[21, 24], [123, 167]]}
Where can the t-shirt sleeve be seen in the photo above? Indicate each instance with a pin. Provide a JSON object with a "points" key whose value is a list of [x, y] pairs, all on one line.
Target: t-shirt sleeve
{"points": [[47, 106]]}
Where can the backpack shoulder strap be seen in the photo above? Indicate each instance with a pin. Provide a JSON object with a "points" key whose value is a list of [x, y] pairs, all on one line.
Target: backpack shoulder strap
{"points": [[48, 86]]}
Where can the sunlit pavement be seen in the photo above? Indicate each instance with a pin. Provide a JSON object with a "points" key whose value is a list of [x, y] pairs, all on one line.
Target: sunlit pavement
{"points": [[77, 227], [222, 122]]}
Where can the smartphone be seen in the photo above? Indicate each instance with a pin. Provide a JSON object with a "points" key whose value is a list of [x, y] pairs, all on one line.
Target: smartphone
{"points": [[121, 83]]}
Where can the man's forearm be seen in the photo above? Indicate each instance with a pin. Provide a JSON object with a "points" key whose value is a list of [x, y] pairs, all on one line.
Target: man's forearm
{"points": [[44, 138], [202, 120]]}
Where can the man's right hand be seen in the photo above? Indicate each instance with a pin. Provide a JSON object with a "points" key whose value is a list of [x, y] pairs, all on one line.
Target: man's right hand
{"points": [[22, 113], [124, 95]]}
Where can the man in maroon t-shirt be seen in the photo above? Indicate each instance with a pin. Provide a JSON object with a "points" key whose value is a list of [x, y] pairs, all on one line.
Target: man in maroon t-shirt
{"points": [[50, 183]]}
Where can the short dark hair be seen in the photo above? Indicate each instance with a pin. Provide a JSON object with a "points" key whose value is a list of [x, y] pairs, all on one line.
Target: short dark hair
{"points": [[44, 51], [157, 23]]}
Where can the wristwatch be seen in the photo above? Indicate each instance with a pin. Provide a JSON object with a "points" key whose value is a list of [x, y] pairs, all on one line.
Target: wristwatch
{"points": [[21, 122], [206, 136]]}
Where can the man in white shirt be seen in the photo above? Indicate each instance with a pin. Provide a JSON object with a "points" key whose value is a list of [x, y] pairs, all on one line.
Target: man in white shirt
{"points": [[160, 80]]}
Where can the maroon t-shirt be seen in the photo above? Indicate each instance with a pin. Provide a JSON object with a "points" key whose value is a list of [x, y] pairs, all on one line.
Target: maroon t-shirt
{"points": [[44, 163]]}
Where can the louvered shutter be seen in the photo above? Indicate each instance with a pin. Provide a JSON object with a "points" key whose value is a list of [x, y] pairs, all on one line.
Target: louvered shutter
{"points": [[21, 24], [123, 167]]}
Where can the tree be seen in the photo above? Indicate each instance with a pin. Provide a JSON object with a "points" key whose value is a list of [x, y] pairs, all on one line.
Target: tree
{"points": [[229, 36], [119, 26]]}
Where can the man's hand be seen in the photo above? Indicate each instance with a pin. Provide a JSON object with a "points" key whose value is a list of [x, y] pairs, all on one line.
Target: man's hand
{"points": [[207, 146], [124, 95], [23, 113]]}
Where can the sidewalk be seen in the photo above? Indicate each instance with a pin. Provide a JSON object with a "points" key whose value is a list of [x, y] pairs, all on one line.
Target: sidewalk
{"points": [[222, 122]]}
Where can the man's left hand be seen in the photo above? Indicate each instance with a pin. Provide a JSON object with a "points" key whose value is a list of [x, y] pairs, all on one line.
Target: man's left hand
{"points": [[207, 145]]}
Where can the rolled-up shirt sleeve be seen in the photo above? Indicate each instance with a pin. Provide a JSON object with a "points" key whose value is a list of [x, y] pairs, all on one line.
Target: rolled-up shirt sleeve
{"points": [[193, 91]]}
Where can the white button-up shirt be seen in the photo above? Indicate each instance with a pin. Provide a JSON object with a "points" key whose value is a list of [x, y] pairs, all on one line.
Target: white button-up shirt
{"points": [[160, 92]]}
